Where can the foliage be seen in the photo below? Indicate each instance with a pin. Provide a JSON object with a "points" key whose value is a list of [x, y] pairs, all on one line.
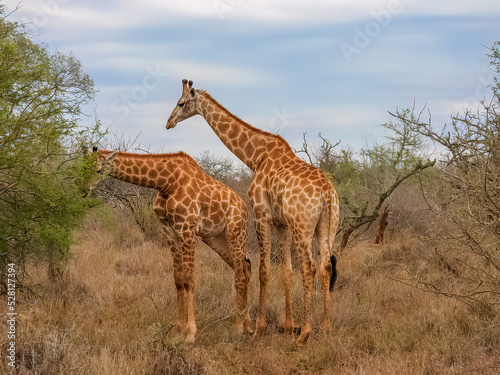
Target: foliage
{"points": [[223, 168], [42, 175], [470, 207], [364, 181]]}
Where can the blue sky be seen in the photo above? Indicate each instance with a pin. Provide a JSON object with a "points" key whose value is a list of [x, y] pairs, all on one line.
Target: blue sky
{"points": [[334, 67]]}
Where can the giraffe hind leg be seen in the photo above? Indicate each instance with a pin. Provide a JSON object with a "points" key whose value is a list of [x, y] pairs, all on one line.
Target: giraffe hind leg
{"points": [[286, 275], [233, 253], [263, 229], [303, 243], [328, 269]]}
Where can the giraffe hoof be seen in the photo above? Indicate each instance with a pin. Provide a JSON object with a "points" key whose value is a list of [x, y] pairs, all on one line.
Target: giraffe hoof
{"points": [[301, 341], [260, 327], [259, 332], [190, 339], [327, 327], [247, 325], [247, 329], [244, 330], [289, 326], [305, 332], [181, 327]]}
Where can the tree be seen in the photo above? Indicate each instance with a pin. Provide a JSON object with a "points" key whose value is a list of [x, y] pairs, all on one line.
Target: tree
{"points": [[43, 174], [469, 209], [364, 182]]}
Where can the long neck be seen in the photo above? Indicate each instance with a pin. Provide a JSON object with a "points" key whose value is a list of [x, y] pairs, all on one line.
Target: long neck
{"points": [[144, 170], [249, 144]]}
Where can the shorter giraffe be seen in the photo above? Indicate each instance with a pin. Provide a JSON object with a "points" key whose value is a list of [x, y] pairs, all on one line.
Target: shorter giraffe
{"points": [[190, 203]]}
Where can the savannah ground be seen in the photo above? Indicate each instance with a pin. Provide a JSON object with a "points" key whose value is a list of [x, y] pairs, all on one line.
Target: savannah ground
{"points": [[112, 310]]}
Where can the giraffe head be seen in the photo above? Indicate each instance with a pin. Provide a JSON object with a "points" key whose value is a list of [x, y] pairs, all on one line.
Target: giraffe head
{"points": [[186, 106], [102, 165], [104, 161]]}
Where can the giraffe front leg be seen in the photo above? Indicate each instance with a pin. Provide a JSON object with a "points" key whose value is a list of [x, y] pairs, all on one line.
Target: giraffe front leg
{"points": [[177, 260], [188, 244], [189, 286], [181, 294]]}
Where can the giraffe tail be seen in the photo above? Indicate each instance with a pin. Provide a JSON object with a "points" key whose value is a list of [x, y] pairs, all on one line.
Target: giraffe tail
{"points": [[249, 267], [333, 275], [331, 195]]}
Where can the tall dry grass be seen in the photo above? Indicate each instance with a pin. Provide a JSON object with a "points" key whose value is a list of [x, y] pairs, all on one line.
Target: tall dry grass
{"points": [[112, 311]]}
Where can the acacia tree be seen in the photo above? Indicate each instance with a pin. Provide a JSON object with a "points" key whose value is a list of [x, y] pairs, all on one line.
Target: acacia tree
{"points": [[42, 178], [470, 208], [365, 181]]}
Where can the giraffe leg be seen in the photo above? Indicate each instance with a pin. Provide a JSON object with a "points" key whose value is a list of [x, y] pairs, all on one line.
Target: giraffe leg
{"points": [[220, 246], [263, 228], [181, 291], [325, 241], [234, 256], [241, 278], [247, 323], [307, 269], [173, 243], [188, 244], [286, 274]]}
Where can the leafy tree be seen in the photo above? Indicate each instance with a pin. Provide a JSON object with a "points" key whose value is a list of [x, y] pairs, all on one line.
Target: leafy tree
{"points": [[364, 181], [469, 209], [42, 173]]}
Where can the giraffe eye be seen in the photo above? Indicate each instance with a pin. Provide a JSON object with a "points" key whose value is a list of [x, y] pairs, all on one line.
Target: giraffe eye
{"points": [[181, 105]]}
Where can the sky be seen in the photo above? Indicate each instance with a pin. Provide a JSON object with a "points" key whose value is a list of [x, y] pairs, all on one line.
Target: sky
{"points": [[289, 67]]}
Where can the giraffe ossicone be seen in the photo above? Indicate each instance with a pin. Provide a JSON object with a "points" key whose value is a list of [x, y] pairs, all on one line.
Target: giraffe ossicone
{"points": [[190, 203], [295, 197]]}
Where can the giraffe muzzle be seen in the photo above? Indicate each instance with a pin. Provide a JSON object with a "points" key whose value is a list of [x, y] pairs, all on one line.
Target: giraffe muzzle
{"points": [[171, 124]]}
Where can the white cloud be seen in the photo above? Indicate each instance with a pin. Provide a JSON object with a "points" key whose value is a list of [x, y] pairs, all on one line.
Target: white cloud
{"points": [[96, 16], [118, 40], [219, 74]]}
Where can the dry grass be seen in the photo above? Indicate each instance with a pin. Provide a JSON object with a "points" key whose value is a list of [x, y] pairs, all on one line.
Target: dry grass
{"points": [[111, 314]]}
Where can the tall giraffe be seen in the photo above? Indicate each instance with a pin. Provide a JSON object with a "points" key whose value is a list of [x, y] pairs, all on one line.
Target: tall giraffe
{"points": [[295, 197], [189, 203]]}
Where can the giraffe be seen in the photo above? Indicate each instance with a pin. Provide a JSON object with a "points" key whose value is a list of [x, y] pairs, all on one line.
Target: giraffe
{"points": [[189, 203], [295, 197]]}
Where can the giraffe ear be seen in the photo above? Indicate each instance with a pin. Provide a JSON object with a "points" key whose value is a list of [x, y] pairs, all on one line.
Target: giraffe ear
{"points": [[112, 156], [192, 92]]}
